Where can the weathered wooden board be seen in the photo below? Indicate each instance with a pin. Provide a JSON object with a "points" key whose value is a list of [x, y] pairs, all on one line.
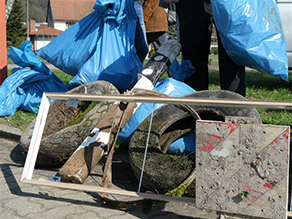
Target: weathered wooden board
{"points": [[242, 168]]}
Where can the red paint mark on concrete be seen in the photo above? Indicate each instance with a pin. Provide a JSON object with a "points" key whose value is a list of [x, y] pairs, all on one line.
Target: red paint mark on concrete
{"points": [[207, 147], [253, 193], [268, 185], [286, 134], [232, 127], [215, 137], [227, 191]]}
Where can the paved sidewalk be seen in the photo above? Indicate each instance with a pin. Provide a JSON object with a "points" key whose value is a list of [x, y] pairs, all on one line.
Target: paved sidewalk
{"points": [[20, 200]]}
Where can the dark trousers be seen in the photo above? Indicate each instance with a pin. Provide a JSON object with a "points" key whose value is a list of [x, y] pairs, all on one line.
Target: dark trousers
{"points": [[195, 28], [156, 38]]}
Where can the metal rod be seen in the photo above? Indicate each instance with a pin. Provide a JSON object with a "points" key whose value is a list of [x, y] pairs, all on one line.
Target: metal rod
{"points": [[146, 148], [27, 20]]}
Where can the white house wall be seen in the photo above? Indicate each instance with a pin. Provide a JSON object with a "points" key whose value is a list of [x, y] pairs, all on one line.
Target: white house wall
{"points": [[41, 42], [60, 25]]}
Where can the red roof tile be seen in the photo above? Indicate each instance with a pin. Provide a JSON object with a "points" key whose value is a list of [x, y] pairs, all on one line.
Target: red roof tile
{"points": [[46, 31], [72, 10]]}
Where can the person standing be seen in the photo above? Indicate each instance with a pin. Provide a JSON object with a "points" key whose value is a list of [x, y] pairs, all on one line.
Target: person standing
{"points": [[195, 28], [156, 23]]}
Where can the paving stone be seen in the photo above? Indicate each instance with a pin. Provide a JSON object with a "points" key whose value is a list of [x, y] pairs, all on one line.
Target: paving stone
{"points": [[22, 200]]}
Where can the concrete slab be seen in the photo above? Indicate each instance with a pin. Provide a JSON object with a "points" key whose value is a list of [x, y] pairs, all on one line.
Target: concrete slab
{"points": [[242, 168]]}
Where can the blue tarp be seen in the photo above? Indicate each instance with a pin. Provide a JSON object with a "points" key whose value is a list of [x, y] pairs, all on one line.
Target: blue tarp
{"points": [[252, 34], [99, 47], [25, 86], [181, 71], [170, 87], [184, 144]]}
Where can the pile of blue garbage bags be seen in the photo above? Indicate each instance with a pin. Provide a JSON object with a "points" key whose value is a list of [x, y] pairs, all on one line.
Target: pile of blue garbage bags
{"points": [[23, 89], [101, 46]]}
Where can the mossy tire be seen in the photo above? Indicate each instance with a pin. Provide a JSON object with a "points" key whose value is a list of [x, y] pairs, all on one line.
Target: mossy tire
{"points": [[219, 113], [164, 172], [66, 127]]}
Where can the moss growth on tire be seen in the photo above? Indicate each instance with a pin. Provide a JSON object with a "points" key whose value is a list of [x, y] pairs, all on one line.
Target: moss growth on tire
{"points": [[164, 169], [80, 116]]}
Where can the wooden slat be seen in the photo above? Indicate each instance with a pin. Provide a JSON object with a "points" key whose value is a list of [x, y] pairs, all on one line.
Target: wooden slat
{"points": [[36, 138], [100, 189], [284, 105]]}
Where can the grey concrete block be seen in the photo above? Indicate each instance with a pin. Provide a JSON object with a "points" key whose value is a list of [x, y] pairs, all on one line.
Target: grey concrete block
{"points": [[242, 168]]}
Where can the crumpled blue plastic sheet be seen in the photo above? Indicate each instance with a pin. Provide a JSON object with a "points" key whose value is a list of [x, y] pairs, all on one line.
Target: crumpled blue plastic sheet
{"points": [[181, 71], [252, 34], [184, 144], [170, 87], [25, 86], [101, 46]]}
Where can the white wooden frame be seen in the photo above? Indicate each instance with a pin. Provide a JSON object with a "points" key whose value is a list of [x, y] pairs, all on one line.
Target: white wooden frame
{"points": [[43, 112]]}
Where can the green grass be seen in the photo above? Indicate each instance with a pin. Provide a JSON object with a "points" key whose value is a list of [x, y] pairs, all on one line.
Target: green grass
{"points": [[63, 76], [22, 119], [265, 87], [259, 87]]}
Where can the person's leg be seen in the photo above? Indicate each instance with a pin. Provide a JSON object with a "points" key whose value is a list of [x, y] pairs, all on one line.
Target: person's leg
{"points": [[232, 76], [140, 36], [195, 38]]}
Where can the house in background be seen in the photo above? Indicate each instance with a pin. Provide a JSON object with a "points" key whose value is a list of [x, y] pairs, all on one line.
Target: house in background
{"points": [[41, 35], [64, 13], [61, 15]]}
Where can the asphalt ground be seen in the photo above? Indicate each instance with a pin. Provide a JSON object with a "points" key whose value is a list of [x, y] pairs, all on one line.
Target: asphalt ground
{"points": [[21, 200]]}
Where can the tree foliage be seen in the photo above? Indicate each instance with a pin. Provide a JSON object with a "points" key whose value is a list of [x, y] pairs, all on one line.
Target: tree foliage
{"points": [[14, 25], [37, 9]]}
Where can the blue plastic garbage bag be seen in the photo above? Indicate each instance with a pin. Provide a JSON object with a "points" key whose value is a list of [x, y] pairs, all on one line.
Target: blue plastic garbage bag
{"points": [[99, 47], [167, 86], [181, 71], [252, 34], [184, 144], [24, 87]]}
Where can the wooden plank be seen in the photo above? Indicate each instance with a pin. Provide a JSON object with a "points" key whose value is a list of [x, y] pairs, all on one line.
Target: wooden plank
{"points": [[283, 105], [100, 189], [242, 168]]}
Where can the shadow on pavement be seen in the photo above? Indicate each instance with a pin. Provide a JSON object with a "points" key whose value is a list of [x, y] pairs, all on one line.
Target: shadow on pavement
{"points": [[17, 155], [141, 209], [16, 190]]}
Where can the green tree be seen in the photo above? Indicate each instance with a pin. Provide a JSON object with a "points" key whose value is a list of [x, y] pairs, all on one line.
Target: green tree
{"points": [[15, 29], [37, 9]]}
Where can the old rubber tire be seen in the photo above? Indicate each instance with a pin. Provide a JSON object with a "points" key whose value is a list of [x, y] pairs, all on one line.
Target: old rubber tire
{"points": [[164, 172], [66, 127], [219, 113]]}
